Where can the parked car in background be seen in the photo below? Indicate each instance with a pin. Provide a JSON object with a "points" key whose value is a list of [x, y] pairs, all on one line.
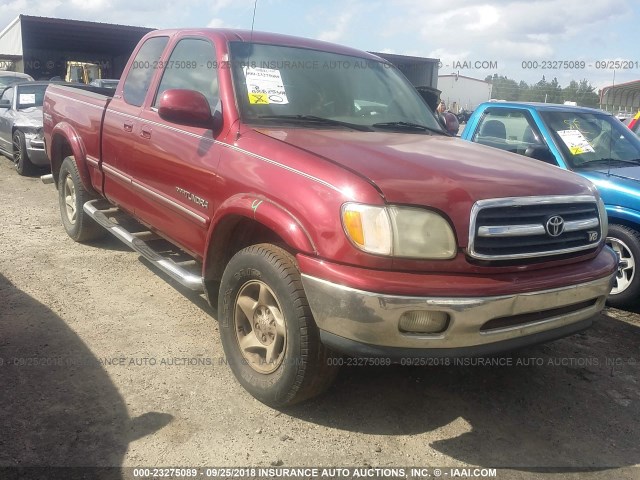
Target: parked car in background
{"points": [[634, 124], [105, 83], [21, 136], [9, 78], [590, 142]]}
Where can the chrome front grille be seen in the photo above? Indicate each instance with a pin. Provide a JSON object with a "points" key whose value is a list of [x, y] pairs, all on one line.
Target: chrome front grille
{"points": [[529, 227]]}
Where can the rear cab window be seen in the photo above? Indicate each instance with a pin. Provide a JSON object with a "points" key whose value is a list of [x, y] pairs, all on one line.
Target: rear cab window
{"points": [[141, 71]]}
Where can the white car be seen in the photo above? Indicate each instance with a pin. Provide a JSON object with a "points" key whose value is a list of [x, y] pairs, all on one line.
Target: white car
{"points": [[9, 78]]}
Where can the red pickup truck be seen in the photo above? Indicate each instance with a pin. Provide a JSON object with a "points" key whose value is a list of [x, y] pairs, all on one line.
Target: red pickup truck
{"points": [[326, 209]]}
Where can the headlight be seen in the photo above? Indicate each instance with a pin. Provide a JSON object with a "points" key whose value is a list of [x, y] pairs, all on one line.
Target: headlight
{"points": [[368, 227], [399, 231], [604, 219]]}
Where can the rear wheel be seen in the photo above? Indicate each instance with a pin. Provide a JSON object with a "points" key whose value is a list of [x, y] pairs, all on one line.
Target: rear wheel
{"points": [[268, 333], [71, 197], [20, 157], [625, 242]]}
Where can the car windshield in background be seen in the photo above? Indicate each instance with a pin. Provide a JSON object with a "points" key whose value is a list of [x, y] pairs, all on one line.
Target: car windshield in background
{"points": [[30, 96], [311, 88], [6, 81], [592, 140]]}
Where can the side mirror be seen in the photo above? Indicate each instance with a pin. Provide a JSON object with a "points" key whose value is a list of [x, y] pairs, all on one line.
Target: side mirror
{"points": [[5, 103], [540, 153], [186, 107]]}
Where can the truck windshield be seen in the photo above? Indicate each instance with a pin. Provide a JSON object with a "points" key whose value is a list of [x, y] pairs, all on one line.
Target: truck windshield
{"points": [[592, 140], [310, 88]]}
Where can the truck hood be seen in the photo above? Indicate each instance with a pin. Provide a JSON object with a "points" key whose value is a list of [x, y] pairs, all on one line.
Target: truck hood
{"points": [[433, 170]]}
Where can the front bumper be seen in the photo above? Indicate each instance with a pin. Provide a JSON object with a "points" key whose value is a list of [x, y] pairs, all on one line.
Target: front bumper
{"points": [[36, 152], [364, 323]]}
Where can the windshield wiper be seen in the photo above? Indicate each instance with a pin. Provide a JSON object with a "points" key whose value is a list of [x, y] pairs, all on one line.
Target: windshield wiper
{"points": [[611, 162], [312, 119], [407, 126]]}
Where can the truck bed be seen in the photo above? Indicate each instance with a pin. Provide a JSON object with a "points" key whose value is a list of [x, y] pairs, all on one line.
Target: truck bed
{"points": [[81, 108]]}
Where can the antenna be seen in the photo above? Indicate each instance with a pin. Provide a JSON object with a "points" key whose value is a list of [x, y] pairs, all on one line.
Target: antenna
{"points": [[253, 20]]}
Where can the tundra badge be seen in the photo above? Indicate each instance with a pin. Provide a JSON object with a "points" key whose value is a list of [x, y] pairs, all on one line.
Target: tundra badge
{"points": [[194, 198]]}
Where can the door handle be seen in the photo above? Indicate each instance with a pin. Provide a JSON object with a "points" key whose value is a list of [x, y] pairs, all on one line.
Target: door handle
{"points": [[145, 132], [128, 127]]}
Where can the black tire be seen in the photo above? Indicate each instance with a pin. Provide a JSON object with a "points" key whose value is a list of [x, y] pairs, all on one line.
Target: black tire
{"points": [[72, 196], [21, 160], [626, 243], [303, 367]]}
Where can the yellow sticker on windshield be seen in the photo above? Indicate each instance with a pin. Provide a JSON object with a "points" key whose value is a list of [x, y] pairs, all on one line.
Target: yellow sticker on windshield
{"points": [[265, 86], [575, 141], [258, 98]]}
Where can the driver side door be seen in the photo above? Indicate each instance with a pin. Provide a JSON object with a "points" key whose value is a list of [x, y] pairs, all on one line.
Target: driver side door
{"points": [[175, 164]]}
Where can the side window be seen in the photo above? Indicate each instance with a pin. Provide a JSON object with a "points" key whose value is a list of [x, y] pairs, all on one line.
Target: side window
{"points": [[508, 129], [141, 71], [190, 68], [8, 94]]}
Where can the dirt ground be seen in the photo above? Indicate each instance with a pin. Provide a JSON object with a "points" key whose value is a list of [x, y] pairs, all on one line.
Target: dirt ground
{"points": [[103, 362]]}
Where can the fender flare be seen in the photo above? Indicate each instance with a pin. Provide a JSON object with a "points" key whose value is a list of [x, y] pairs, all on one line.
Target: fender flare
{"points": [[71, 137], [268, 213]]}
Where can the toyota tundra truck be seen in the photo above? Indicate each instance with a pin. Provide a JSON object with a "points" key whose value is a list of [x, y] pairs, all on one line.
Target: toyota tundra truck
{"points": [[326, 211]]}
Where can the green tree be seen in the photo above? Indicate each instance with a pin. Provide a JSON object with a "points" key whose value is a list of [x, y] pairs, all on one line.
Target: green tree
{"points": [[570, 92], [586, 95], [583, 93], [503, 88]]}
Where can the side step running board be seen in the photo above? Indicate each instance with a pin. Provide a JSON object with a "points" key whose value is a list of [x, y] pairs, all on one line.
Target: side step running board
{"points": [[168, 266]]}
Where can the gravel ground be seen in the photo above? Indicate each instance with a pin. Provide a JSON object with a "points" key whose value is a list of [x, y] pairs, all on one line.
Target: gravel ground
{"points": [[103, 362]]}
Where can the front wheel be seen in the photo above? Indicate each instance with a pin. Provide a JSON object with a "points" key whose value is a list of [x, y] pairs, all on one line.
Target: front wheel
{"points": [[625, 242], [72, 196], [267, 331], [21, 160]]}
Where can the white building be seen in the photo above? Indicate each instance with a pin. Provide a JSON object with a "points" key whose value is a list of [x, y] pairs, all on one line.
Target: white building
{"points": [[463, 93]]}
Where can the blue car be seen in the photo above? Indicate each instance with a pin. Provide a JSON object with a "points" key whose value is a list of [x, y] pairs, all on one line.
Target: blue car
{"points": [[593, 144]]}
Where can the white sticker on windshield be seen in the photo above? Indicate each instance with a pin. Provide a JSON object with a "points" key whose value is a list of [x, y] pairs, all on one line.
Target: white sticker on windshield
{"points": [[575, 141], [27, 99], [265, 86]]}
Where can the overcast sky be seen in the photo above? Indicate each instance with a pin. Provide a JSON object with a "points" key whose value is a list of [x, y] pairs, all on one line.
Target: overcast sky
{"points": [[503, 32]]}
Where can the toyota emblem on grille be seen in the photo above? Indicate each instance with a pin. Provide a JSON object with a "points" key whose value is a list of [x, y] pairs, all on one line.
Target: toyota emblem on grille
{"points": [[555, 226]]}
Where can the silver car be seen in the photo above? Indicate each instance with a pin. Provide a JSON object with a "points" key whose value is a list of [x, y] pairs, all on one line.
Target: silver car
{"points": [[21, 136]]}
